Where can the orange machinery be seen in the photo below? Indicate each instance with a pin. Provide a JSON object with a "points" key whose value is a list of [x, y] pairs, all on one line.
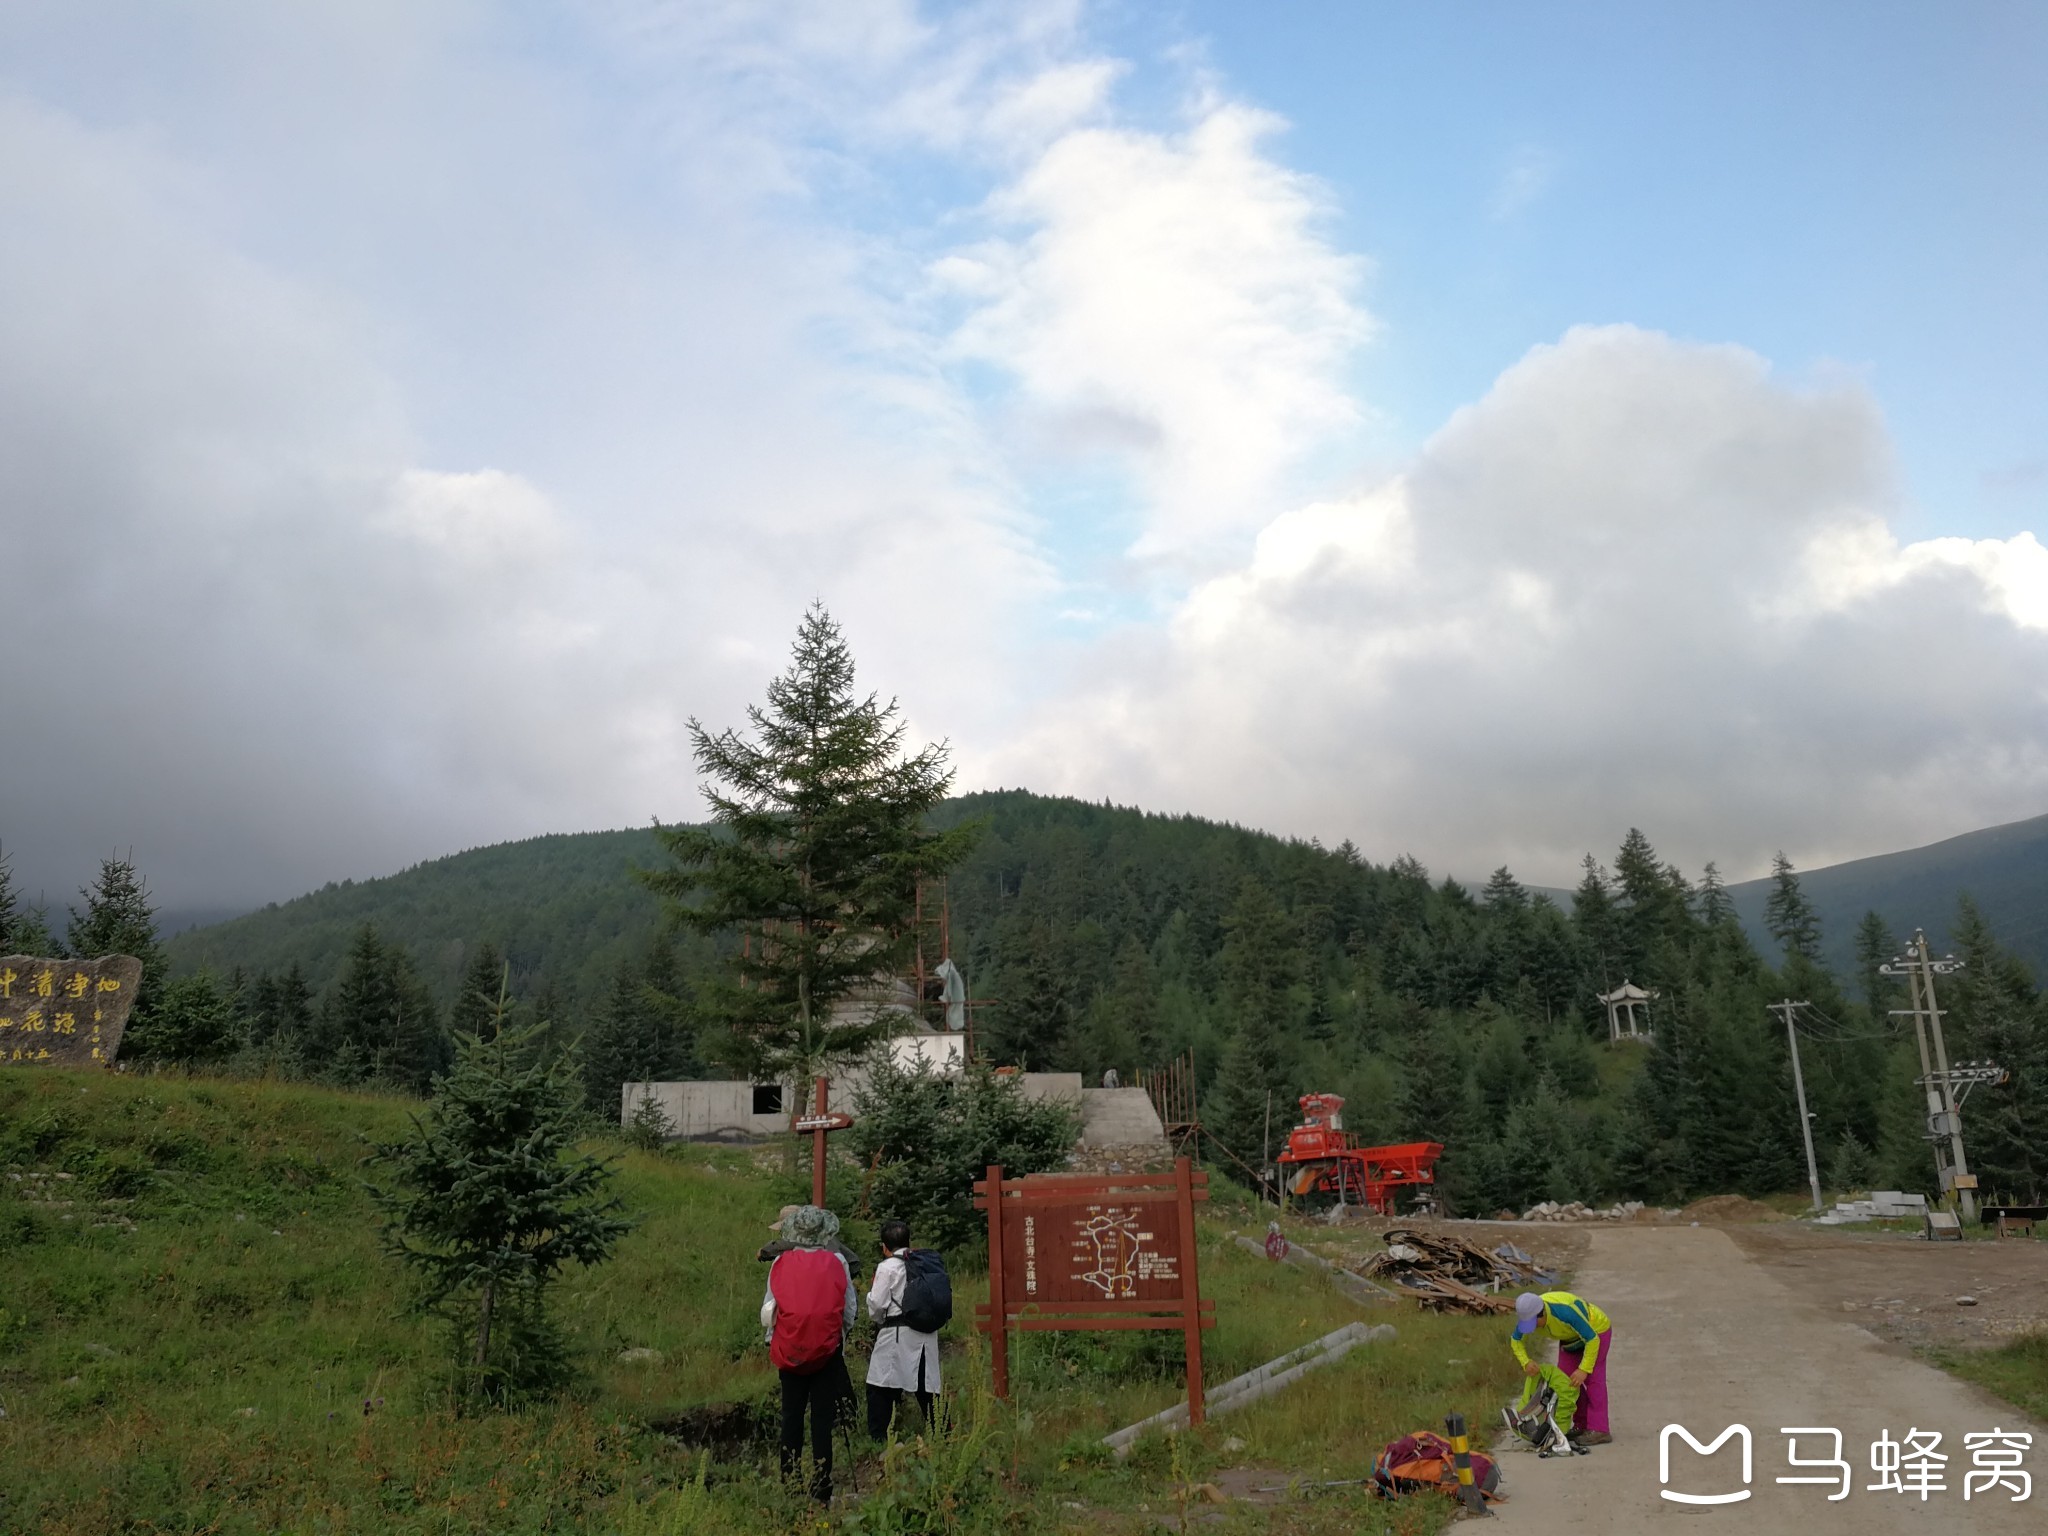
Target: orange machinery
{"points": [[1320, 1161]]}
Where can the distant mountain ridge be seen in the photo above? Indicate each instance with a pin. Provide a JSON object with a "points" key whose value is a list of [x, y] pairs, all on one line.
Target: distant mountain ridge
{"points": [[565, 906], [2003, 869]]}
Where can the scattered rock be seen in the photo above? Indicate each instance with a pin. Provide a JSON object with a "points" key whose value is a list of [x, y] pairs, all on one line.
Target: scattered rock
{"points": [[1232, 1446], [1966, 1301], [640, 1356]]}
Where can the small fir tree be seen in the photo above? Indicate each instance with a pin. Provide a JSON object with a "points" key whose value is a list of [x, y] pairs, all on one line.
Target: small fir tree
{"points": [[119, 919], [489, 1200], [476, 1000]]}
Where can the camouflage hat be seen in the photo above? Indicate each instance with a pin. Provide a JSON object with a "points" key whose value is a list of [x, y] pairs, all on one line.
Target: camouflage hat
{"points": [[809, 1227]]}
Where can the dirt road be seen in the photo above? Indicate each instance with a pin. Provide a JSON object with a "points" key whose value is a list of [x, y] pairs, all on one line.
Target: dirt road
{"points": [[1706, 1336]]}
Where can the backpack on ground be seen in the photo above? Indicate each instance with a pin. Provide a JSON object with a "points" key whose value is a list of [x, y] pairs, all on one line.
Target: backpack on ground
{"points": [[927, 1293], [809, 1287], [1423, 1460]]}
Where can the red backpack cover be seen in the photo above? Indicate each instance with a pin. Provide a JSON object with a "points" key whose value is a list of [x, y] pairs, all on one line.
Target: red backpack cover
{"points": [[809, 1287]]}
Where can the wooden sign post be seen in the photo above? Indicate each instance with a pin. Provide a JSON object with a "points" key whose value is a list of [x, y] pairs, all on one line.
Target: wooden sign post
{"points": [[1087, 1252]]}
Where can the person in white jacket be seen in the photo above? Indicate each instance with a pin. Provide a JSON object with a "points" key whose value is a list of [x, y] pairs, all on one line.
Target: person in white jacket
{"points": [[904, 1360]]}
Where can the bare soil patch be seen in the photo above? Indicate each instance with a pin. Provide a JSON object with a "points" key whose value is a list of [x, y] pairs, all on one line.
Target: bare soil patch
{"points": [[1729, 1210], [1903, 1288]]}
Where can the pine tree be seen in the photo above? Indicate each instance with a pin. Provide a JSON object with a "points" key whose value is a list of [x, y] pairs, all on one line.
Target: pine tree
{"points": [[489, 1201], [1594, 916], [120, 920], [11, 924], [475, 1000], [817, 844], [1250, 1081], [639, 1033], [1504, 893], [379, 1020], [194, 1022], [1789, 916], [1996, 1013], [1715, 905], [1875, 947]]}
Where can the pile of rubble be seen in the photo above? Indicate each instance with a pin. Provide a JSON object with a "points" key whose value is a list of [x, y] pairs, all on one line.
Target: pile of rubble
{"points": [[1578, 1210], [1448, 1274]]}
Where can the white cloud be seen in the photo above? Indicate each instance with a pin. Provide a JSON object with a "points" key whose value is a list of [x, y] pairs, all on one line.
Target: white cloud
{"points": [[1640, 583], [397, 481], [1172, 296]]}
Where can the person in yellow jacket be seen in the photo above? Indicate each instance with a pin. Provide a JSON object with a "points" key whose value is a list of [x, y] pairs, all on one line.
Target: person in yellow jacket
{"points": [[1584, 1339]]}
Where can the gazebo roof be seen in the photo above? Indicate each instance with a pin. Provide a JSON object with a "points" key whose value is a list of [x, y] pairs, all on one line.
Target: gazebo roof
{"points": [[1627, 992]]}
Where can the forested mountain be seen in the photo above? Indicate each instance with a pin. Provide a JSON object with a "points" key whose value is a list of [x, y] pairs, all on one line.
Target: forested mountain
{"points": [[2003, 870], [1103, 936]]}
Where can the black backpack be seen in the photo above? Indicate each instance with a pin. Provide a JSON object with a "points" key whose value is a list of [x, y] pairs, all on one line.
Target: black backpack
{"points": [[927, 1293]]}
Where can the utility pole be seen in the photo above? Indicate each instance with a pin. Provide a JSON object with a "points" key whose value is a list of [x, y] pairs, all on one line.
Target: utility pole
{"points": [[1944, 1107], [1789, 1009]]}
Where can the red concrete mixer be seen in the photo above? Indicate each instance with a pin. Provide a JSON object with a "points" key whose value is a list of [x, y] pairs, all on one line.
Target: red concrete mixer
{"points": [[1320, 1165]]}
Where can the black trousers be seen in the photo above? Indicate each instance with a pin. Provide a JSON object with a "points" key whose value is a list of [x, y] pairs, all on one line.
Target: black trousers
{"points": [[882, 1404], [820, 1392]]}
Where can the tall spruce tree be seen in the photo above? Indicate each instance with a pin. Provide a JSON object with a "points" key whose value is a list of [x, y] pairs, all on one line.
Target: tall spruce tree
{"points": [[1712, 901], [1789, 915], [639, 1033], [476, 1000], [818, 839], [379, 1021], [119, 919], [1996, 1013]]}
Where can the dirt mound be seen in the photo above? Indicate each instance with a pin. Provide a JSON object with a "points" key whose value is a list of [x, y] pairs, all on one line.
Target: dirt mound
{"points": [[1728, 1208]]}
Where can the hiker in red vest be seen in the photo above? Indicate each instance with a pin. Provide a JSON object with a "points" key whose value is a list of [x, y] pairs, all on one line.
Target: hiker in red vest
{"points": [[805, 1315]]}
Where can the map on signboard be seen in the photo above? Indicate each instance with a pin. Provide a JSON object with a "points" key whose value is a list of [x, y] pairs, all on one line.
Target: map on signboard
{"points": [[1112, 1251], [65, 1013]]}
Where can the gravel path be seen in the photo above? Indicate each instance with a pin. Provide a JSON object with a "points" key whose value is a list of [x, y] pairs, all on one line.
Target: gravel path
{"points": [[1707, 1337]]}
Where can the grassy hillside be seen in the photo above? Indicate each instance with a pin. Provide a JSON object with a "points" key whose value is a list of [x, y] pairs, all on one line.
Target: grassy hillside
{"points": [[199, 1334], [2003, 869]]}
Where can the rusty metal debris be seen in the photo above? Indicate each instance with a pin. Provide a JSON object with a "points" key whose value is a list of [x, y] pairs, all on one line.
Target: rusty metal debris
{"points": [[1448, 1274]]}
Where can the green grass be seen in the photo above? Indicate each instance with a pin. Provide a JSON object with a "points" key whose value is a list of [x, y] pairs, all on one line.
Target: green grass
{"points": [[198, 1333], [2017, 1372]]}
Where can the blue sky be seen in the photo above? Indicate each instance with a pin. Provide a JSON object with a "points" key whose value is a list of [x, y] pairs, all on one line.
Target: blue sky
{"points": [[1471, 430], [1843, 186]]}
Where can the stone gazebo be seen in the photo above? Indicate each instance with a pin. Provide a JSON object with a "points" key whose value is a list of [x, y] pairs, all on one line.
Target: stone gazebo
{"points": [[1621, 1004]]}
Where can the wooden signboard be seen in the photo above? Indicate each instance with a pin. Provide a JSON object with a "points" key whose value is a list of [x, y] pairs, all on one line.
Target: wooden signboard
{"points": [[1091, 1251], [65, 1013]]}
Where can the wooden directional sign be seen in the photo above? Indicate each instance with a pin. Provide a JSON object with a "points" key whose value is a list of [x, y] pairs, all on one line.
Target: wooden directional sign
{"points": [[832, 1122], [65, 1013], [1087, 1252]]}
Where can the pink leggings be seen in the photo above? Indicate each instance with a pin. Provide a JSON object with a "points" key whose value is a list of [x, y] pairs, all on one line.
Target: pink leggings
{"points": [[1591, 1414]]}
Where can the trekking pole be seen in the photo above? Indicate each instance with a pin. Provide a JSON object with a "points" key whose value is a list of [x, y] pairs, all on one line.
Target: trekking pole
{"points": [[1461, 1458]]}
